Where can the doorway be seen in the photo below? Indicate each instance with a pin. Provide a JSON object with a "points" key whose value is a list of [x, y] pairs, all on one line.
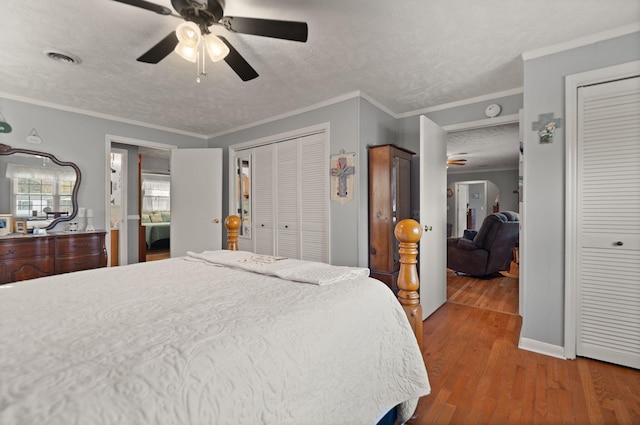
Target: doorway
{"points": [[602, 251], [126, 217], [488, 182]]}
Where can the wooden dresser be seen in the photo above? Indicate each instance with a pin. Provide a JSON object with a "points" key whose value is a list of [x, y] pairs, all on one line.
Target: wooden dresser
{"points": [[389, 202], [28, 257]]}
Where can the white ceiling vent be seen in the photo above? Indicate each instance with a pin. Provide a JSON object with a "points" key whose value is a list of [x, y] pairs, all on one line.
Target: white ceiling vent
{"points": [[63, 57]]}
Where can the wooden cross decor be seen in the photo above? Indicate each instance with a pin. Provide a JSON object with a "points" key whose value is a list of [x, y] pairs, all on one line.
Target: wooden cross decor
{"points": [[342, 170]]}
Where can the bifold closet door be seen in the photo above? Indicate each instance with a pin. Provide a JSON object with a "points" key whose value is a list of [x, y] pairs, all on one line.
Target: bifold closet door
{"points": [[287, 199], [314, 198], [608, 290], [262, 193]]}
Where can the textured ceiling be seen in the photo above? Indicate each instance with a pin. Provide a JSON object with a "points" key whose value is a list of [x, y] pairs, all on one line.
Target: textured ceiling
{"points": [[485, 149], [407, 55]]}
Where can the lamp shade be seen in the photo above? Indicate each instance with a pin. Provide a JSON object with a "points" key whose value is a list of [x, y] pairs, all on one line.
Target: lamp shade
{"points": [[215, 47], [188, 34], [187, 52]]}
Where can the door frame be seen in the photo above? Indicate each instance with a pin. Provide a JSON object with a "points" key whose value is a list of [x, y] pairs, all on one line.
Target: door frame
{"points": [[236, 150], [122, 225], [485, 190], [109, 139], [572, 83]]}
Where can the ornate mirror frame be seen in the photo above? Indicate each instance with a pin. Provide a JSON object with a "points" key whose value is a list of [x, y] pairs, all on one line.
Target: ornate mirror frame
{"points": [[8, 150]]}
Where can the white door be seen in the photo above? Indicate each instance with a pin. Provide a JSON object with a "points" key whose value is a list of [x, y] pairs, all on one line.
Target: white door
{"points": [[287, 199], [433, 216], [314, 198], [118, 201], [263, 194], [608, 187], [196, 200], [462, 206]]}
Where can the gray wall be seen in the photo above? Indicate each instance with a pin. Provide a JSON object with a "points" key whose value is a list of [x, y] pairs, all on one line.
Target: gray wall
{"points": [[376, 128], [544, 181], [81, 139], [506, 181]]}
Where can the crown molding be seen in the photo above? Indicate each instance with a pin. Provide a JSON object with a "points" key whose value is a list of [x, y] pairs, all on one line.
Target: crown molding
{"points": [[324, 103], [59, 107], [582, 41], [464, 102]]}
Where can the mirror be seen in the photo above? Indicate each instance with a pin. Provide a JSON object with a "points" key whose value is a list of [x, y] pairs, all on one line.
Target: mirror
{"points": [[38, 187], [243, 194]]}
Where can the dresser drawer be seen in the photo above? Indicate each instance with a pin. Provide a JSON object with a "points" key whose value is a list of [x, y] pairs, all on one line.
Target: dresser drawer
{"points": [[78, 262], [22, 248], [81, 244], [28, 268]]}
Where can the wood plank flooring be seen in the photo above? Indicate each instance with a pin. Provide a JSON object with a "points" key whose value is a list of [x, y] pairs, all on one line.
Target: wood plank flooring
{"points": [[479, 376], [499, 293], [158, 255]]}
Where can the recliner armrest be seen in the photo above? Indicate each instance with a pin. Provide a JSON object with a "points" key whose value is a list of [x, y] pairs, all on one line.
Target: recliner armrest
{"points": [[466, 245]]}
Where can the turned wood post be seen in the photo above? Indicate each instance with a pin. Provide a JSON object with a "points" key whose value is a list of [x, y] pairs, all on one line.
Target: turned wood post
{"points": [[232, 223], [408, 232]]}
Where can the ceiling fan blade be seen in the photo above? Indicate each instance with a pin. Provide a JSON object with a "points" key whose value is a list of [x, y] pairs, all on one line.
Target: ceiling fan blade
{"points": [[147, 5], [160, 50], [238, 64], [215, 9], [286, 30]]}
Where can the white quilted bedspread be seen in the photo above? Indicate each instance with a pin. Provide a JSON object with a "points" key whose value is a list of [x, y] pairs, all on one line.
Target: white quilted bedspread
{"points": [[186, 342]]}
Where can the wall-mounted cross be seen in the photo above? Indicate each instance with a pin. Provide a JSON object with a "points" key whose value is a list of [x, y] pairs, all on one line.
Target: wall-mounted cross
{"points": [[341, 172], [546, 126]]}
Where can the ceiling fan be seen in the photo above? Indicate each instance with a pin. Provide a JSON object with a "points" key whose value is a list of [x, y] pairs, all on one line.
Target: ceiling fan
{"points": [[456, 161], [204, 14]]}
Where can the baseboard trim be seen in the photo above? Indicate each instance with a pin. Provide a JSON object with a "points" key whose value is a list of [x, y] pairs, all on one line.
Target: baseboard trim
{"points": [[542, 348]]}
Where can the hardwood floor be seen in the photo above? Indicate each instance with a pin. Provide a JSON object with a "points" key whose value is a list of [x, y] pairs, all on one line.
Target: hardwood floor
{"points": [[479, 376], [158, 255], [499, 293]]}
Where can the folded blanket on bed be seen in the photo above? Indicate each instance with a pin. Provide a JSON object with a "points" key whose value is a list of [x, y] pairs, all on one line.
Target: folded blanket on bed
{"points": [[284, 268]]}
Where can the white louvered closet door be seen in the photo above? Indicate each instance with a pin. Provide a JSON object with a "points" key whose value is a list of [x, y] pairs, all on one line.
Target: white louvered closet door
{"points": [[314, 196], [609, 222], [288, 199], [263, 193]]}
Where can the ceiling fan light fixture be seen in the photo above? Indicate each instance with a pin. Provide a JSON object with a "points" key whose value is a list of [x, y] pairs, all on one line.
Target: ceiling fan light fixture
{"points": [[188, 34], [215, 47], [187, 52]]}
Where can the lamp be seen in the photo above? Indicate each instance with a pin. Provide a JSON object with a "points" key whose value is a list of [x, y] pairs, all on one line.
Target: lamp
{"points": [[190, 44], [188, 35], [215, 47]]}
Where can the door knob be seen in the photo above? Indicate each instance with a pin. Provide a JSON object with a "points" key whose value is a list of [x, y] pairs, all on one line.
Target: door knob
{"points": [[216, 220], [427, 228]]}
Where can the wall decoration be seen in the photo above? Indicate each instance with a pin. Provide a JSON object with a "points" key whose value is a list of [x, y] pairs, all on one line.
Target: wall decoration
{"points": [[33, 137], [20, 225], [546, 127], [342, 171], [5, 224], [4, 125]]}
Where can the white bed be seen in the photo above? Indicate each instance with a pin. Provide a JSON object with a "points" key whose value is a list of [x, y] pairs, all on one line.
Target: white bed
{"points": [[185, 341]]}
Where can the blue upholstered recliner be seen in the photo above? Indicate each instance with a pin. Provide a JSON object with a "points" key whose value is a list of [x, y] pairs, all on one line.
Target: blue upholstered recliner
{"points": [[490, 251]]}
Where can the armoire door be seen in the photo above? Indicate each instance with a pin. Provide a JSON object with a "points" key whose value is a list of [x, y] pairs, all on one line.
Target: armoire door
{"points": [[608, 222]]}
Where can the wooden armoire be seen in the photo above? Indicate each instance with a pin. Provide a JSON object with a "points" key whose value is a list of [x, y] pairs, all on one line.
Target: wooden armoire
{"points": [[389, 202]]}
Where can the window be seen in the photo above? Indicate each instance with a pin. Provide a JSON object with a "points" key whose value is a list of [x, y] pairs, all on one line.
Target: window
{"points": [[41, 196], [37, 190]]}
